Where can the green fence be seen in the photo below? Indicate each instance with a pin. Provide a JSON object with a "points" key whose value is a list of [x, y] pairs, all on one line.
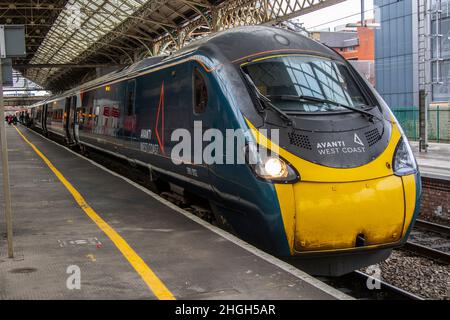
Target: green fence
{"points": [[438, 122]]}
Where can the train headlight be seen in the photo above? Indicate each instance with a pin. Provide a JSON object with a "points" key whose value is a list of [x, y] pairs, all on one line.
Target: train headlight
{"points": [[270, 166], [404, 161], [275, 167]]}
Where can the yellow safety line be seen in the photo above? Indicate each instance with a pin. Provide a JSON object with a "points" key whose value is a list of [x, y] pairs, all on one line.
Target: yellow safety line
{"points": [[150, 278]]}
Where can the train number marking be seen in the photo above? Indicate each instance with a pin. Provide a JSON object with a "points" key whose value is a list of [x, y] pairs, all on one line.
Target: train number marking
{"points": [[192, 172], [146, 134]]}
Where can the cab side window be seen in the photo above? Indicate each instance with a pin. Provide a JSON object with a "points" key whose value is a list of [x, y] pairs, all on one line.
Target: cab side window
{"points": [[200, 93]]}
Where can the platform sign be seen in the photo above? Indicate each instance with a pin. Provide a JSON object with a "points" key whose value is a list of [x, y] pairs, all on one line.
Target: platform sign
{"points": [[12, 41]]}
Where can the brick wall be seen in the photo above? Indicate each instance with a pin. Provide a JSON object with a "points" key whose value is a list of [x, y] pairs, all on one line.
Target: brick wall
{"points": [[435, 204]]}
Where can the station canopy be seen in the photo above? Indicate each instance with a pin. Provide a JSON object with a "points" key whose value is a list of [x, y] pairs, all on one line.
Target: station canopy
{"points": [[75, 30], [71, 41], [89, 32]]}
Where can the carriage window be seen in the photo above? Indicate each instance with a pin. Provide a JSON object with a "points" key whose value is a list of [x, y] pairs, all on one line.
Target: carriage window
{"points": [[200, 93]]}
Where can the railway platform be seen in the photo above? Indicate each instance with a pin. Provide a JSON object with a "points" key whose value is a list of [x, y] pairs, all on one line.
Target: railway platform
{"points": [[435, 163], [84, 232]]}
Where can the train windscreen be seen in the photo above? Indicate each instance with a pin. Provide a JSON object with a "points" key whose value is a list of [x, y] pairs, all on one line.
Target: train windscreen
{"points": [[305, 83]]}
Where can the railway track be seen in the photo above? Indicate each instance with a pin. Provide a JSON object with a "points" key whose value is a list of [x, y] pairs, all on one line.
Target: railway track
{"points": [[430, 240], [427, 252], [355, 285], [431, 226]]}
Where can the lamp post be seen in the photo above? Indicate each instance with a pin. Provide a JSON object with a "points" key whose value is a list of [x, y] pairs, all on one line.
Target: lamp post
{"points": [[362, 14], [12, 44], [5, 169]]}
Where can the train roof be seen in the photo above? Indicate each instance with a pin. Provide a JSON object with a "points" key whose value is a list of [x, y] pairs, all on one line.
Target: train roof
{"points": [[231, 45], [242, 42]]}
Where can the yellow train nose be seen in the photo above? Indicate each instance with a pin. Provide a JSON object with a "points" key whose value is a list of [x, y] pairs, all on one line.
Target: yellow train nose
{"points": [[332, 216], [323, 216]]}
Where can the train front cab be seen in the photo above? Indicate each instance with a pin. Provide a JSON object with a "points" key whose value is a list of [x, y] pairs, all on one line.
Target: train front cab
{"points": [[338, 220]]}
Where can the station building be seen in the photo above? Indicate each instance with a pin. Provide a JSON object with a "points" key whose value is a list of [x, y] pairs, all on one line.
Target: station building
{"points": [[412, 55]]}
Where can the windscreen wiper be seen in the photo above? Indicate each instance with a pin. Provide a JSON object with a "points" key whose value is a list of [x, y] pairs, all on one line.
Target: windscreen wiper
{"points": [[267, 102], [323, 100]]}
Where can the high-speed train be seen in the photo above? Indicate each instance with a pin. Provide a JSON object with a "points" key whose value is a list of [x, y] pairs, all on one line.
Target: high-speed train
{"points": [[338, 188]]}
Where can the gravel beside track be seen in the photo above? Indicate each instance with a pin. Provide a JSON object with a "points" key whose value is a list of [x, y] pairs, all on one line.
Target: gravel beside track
{"points": [[420, 276]]}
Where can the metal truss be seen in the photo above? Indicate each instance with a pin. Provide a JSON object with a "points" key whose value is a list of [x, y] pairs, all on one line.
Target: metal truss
{"points": [[117, 32], [234, 13], [250, 12]]}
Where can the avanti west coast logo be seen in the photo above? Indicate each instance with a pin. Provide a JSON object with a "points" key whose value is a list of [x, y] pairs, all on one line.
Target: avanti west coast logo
{"points": [[336, 147]]}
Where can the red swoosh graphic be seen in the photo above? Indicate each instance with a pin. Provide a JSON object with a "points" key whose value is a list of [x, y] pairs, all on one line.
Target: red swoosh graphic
{"points": [[160, 111]]}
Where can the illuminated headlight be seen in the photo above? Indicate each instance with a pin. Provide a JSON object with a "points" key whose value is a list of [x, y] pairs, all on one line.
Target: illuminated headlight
{"points": [[404, 161], [275, 167], [270, 167]]}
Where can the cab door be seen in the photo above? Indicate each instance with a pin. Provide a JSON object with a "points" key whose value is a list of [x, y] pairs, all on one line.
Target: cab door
{"points": [[202, 115]]}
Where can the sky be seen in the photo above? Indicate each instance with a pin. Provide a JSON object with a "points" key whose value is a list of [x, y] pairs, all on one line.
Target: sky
{"points": [[322, 19]]}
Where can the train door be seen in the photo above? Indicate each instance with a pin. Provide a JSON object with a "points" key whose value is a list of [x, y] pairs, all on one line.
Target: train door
{"points": [[66, 120], [44, 119], [70, 111]]}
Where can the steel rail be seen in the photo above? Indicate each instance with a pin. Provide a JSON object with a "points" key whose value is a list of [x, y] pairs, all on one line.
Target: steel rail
{"points": [[427, 252], [389, 287], [431, 226]]}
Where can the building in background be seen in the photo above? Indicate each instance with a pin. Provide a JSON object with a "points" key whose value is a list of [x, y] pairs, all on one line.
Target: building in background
{"points": [[396, 56], [412, 64], [355, 44], [440, 51]]}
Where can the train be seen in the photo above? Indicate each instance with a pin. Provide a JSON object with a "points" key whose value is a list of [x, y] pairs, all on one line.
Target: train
{"points": [[337, 187]]}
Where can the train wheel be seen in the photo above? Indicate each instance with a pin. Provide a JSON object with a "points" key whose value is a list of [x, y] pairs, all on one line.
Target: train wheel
{"points": [[219, 220]]}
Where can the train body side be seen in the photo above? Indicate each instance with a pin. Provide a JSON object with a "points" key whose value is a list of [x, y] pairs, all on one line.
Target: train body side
{"points": [[134, 120]]}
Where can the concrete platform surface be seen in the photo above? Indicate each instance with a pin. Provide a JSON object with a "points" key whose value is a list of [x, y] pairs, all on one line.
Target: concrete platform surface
{"points": [[54, 239], [436, 162]]}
